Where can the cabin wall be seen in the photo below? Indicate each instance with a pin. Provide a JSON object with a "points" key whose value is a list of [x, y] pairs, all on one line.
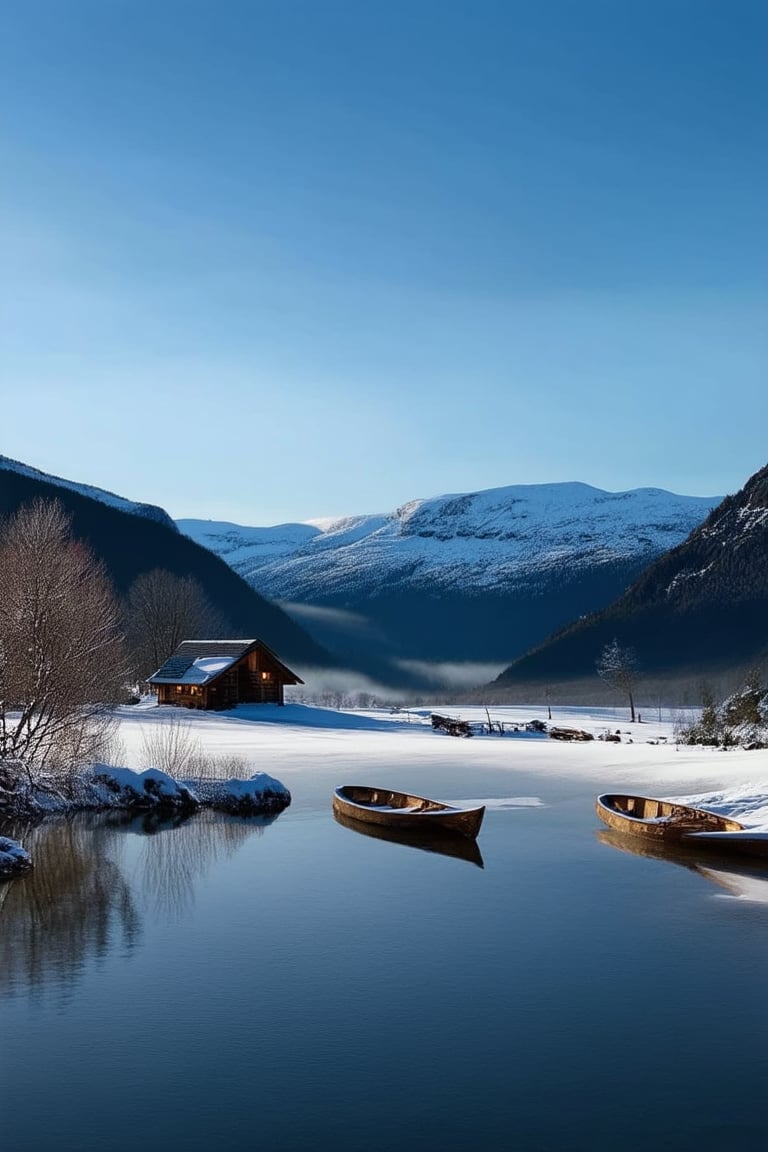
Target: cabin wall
{"points": [[260, 680], [182, 695]]}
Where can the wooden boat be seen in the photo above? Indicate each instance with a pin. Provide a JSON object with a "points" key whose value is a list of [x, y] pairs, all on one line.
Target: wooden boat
{"points": [[441, 843], [659, 819], [665, 822], [402, 810]]}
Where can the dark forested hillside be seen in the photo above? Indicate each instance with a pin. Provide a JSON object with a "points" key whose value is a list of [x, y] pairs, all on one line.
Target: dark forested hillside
{"points": [[130, 544], [701, 607]]}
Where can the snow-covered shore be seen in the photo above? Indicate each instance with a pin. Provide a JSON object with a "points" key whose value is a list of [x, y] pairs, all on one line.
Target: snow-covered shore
{"points": [[293, 741], [152, 788], [300, 748]]}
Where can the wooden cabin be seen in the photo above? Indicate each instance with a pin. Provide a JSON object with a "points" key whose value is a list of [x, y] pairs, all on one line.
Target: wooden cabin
{"points": [[216, 674]]}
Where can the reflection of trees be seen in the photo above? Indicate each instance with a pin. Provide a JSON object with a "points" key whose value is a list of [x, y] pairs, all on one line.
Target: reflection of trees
{"points": [[78, 903], [174, 860], [73, 905]]}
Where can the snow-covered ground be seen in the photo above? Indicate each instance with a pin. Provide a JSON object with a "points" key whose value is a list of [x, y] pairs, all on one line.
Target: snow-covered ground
{"points": [[299, 743]]}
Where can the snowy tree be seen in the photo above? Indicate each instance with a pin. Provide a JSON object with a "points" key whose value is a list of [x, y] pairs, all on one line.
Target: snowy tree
{"points": [[618, 666], [61, 650], [740, 720]]}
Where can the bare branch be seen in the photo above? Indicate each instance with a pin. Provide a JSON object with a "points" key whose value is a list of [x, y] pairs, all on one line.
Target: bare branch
{"points": [[618, 666], [61, 650]]}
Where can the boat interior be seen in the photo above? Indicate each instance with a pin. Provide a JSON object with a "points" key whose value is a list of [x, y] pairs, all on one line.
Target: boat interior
{"points": [[384, 798], [647, 808]]}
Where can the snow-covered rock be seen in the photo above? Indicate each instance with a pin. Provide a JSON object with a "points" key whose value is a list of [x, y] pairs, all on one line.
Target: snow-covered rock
{"points": [[153, 789], [259, 793], [14, 860], [124, 788]]}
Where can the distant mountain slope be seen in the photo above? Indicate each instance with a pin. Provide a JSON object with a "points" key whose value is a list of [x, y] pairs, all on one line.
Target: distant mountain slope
{"points": [[702, 607], [475, 576], [132, 538], [151, 511]]}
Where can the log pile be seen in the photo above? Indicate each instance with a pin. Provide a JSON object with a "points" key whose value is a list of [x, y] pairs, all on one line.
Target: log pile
{"points": [[570, 734], [451, 725]]}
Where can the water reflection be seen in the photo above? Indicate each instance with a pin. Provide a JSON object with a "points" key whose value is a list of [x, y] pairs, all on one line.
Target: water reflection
{"points": [[172, 863], [73, 905], [80, 900], [459, 847], [744, 879]]}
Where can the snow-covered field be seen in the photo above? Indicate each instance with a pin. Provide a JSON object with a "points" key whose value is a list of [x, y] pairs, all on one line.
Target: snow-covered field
{"points": [[307, 747]]}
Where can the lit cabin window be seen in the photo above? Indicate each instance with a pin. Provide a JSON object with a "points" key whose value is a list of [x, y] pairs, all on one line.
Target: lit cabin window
{"points": [[266, 675], [178, 687]]}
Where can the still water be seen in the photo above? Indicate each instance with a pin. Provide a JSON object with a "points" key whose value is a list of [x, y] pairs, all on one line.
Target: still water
{"points": [[227, 984]]}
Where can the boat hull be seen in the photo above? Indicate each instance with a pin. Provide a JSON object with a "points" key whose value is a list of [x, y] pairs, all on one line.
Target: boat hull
{"points": [[402, 810], [659, 820]]}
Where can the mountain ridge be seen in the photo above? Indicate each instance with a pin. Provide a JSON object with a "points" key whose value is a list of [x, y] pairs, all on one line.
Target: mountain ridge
{"points": [[130, 542], [701, 608], [103, 495], [473, 576]]}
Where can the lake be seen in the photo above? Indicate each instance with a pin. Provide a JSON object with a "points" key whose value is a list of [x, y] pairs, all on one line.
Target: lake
{"points": [[294, 985]]}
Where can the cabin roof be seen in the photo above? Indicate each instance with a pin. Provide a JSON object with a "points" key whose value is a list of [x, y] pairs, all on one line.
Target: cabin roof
{"points": [[202, 661]]}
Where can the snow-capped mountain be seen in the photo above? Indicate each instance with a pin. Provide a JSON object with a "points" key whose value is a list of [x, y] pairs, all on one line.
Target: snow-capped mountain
{"points": [[465, 576], [150, 511], [480, 540]]}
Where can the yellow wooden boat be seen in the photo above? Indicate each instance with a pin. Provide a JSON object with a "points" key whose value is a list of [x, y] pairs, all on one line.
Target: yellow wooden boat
{"points": [[659, 819], [392, 809], [664, 821]]}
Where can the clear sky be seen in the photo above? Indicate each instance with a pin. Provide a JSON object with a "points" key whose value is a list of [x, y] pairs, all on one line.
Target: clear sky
{"points": [[266, 261]]}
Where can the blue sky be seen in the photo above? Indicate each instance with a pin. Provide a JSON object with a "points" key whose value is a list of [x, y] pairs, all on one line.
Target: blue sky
{"points": [[269, 261]]}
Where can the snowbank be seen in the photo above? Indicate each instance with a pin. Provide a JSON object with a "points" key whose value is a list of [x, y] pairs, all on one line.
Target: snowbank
{"points": [[260, 793], [13, 859], [124, 788]]}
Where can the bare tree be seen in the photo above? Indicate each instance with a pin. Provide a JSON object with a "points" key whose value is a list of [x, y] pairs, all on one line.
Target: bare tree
{"points": [[161, 610], [618, 666], [61, 647], [171, 747]]}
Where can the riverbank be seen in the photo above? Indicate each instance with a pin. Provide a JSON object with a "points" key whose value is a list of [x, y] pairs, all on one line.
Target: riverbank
{"points": [[294, 754]]}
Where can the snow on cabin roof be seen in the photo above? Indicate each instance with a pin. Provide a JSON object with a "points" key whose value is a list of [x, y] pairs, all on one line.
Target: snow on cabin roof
{"points": [[198, 671], [200, 661]]}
